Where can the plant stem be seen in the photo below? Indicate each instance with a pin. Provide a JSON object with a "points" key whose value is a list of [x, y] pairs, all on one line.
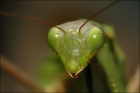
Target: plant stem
{"points": [[11, 69]]}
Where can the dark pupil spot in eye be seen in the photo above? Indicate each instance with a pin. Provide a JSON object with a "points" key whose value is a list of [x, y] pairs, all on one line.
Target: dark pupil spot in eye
{"points": [[98, 33], [57, 33]]}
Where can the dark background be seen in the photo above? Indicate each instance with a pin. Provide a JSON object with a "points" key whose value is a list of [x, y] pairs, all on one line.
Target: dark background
{"points": [[24, 41]]}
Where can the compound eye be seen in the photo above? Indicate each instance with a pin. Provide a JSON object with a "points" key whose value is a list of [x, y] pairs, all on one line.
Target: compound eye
{"points": [[53, 38], [94, 39]]}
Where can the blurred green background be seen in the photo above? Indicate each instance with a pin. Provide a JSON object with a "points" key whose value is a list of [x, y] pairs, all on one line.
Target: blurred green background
{"points": [[24, 42]]}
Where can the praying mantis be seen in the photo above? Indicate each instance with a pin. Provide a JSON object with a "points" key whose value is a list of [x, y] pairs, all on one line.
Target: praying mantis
{"points": [[43, 40]]}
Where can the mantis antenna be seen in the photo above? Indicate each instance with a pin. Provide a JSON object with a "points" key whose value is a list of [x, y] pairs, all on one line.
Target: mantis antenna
{"points": [[105, 8], [29, 18]]}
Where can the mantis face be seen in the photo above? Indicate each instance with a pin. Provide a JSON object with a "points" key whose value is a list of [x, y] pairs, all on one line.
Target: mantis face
{"points": [[75, 48]]}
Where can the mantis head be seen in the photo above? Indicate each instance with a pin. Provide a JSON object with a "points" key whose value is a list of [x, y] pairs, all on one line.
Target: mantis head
{"points": [[75, 48]]}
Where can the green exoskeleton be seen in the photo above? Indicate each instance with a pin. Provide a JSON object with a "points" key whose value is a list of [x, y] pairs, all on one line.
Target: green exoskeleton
{"points": [[75, 48]]}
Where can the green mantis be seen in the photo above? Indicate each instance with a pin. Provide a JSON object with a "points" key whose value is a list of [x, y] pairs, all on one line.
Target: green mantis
{"points": [[76, 48], [98, 56]]}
